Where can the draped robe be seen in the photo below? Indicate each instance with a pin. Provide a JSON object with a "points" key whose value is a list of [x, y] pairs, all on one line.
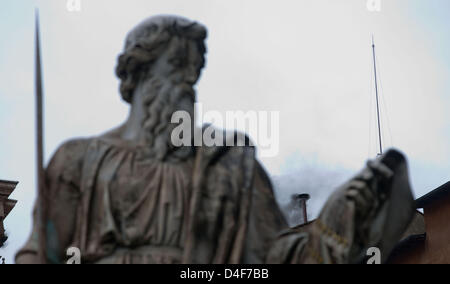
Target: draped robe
{"points": [[118, 206]]}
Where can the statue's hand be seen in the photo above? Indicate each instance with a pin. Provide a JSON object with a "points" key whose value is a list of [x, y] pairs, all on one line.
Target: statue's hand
{"points": [[383, 202], [373, 209], [365, 190]]}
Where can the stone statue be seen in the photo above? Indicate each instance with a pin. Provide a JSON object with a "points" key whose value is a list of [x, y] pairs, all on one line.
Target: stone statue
{"points": [[130, 196]]}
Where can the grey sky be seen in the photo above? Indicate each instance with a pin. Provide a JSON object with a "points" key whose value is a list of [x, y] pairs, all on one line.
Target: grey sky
{"points": [[310, 60]]}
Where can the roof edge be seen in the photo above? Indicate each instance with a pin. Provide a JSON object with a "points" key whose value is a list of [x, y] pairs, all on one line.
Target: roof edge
{"points": [[434, 195], [7, 188]]}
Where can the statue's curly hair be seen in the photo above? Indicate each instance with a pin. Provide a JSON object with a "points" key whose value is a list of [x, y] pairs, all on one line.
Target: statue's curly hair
{"points": [[147, 41]]}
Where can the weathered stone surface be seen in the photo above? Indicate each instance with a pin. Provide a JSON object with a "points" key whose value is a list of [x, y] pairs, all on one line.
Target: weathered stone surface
{"points": [[131, 196]]}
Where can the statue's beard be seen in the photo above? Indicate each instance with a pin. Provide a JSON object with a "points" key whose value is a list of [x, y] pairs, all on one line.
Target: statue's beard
{"points": [[160, 101]]}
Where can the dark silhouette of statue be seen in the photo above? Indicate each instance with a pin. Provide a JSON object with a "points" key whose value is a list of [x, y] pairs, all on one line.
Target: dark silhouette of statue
{"points": [[131, 196]]}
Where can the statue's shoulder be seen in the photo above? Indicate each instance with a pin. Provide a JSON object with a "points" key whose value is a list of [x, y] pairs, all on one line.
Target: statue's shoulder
{"points": [[72, 149], [67, 162], [226, 143], [75, 149], [69, 158], [233, 153]]}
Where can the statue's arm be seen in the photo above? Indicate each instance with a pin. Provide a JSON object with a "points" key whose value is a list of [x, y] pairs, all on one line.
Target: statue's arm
{"points": [[331, 237], [62, 180], [371, 210]]}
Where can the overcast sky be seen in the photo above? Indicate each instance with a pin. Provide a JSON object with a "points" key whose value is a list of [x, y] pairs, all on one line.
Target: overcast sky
{"points": [[310, 60]]}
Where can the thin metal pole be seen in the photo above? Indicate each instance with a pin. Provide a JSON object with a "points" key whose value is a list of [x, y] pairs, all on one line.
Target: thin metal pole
{"points": [[302, 198], [42, 208], [305, 212], [376, 92]]}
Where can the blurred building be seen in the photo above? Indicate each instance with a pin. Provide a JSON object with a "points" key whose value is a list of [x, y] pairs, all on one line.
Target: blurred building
{"points": [[6, 205], [428, 239]]}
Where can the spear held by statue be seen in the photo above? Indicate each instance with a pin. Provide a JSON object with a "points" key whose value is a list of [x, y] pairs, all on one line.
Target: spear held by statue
{"points": [[42, 208]]}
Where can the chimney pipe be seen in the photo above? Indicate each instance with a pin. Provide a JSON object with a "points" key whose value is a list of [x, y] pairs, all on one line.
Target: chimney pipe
{"points": [[302, 198]]}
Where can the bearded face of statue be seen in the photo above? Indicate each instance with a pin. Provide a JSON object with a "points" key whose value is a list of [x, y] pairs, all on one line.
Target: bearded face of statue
{"points": [[169, 81], [167, 87], [161, 63]]}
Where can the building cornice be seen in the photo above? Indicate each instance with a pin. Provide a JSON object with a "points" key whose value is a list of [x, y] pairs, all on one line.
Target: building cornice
{"points": [[6, 188], [435, 195]]}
